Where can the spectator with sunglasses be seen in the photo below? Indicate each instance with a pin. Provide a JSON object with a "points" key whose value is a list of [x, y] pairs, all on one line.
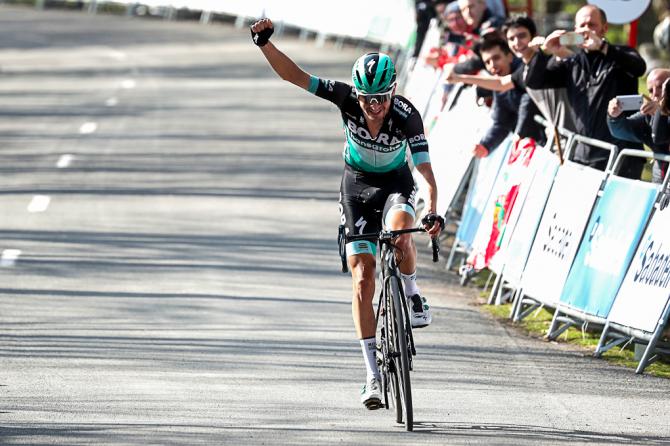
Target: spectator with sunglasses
{"points": [[377, 186]]}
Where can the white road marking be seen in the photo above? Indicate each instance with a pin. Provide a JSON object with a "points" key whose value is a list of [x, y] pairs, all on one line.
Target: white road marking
{"points": [[88, 127], [128, 84], [112, 102], [64, 161], [39, 203], [9, 257]]}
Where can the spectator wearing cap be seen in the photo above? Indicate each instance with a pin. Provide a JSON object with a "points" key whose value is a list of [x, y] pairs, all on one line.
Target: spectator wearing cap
{"points": [[598, 72]]}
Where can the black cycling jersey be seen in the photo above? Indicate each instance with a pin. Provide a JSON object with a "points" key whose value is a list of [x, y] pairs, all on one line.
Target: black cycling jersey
{"points": [[402, 127]]}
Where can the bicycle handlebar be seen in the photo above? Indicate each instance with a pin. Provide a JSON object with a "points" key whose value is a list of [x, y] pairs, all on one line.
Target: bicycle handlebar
{"points": [[391, 234]]}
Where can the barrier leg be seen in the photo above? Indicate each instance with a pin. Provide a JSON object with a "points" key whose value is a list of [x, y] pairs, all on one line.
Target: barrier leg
{"points": [[647, 357], [497, 285], [452, 254], [603, 346], [515, 302], [488, 281], [556, 329]]}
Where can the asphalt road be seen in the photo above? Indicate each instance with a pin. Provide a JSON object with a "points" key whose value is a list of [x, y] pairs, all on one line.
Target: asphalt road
{"points": [[169, 273]]}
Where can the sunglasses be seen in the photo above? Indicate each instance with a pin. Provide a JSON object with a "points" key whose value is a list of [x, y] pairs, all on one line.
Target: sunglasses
{"points": [[378, 98]]}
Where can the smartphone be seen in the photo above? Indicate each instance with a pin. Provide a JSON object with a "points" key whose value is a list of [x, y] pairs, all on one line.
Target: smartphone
{"points": [[571, 39], [630, 101]]}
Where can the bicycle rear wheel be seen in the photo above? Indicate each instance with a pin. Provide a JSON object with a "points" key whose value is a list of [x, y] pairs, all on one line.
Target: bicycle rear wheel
{"points": [[401, 359]]}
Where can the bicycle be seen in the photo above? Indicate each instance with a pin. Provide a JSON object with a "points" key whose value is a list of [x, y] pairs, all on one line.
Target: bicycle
{"points": [[395, 348]]}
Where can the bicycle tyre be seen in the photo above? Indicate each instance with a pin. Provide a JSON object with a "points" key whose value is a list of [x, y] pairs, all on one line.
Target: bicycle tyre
{"points": [[383, 353], [391, 353], [402, 360]]}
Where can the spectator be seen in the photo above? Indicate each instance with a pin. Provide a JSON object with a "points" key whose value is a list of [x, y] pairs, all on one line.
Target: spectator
{"points": [[454, 44], [522, 39], [512, 110], [597, 73], [638, 127], [479, 17], [481, 22]]}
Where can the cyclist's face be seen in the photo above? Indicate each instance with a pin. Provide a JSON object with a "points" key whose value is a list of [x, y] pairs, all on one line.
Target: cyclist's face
{"points": [[375, 110]]}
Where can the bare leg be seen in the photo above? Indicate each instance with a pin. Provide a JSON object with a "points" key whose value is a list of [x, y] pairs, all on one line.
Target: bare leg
{"points": [[362, 268]]}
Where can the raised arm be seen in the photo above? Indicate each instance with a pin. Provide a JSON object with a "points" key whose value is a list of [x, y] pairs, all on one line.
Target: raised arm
{"points": [[541, 73], [493, 83], [280, 62]]}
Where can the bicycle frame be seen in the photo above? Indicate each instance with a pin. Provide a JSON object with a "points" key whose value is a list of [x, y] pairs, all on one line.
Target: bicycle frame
{"points": [[396, 347]]}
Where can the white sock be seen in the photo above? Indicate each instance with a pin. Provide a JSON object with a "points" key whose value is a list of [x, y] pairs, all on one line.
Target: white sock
{"points": [[409, 281], [369, 347]]}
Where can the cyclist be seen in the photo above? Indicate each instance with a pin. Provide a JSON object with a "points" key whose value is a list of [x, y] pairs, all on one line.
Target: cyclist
{"points": [[379, 126]]}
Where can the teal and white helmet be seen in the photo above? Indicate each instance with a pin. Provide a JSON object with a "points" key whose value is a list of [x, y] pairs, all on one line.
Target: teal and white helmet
{"points": [[373, 73]]}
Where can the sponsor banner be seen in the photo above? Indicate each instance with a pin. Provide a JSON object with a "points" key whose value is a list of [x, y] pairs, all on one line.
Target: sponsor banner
{"points": [[481, 188], [525, 180], [451, 148], [645, 290], [561, 228], [610, 240], [544, 167], [501, 202]]}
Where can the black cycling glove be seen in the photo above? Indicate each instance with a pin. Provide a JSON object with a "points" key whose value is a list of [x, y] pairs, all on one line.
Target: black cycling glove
{"points": [[263, 37], [429, 220]]}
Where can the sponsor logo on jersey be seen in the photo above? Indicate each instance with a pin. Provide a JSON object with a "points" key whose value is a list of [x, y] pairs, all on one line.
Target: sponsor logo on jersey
{"points": [[363, 134], [401, 106]]}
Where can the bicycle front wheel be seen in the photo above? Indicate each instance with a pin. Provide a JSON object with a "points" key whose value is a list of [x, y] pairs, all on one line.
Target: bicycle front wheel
{"points": [[401, 359]]}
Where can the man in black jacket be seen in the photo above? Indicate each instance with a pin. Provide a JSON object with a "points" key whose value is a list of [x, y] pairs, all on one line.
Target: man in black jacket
{"points": [[593, 76]]}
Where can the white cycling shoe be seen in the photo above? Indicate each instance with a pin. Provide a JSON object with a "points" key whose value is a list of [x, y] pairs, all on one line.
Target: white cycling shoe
{"points": [[421, 315], [371, 394]]}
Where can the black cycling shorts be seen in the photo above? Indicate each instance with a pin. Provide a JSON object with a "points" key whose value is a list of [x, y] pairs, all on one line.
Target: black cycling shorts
{"points": [[367, 199]]}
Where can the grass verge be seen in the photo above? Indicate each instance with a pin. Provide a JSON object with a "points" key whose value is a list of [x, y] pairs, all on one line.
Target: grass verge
{"points": [[537, 324]]}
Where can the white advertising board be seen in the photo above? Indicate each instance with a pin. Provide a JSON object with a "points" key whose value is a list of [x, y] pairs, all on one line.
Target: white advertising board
{"points": [[529, 217], [451, 147], [565, 217], [645, 290]]}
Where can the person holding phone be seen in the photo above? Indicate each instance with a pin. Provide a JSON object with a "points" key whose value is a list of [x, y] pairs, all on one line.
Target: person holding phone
{"points": [[596, 73], [637, 125]]}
